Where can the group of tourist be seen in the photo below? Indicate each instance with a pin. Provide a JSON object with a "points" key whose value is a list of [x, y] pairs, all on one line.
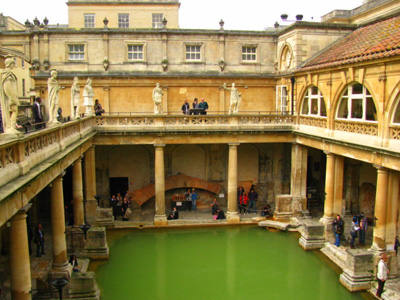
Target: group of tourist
{"points": [[121, 206], [216, 211], [197, 108], [191, 196], [247, 202], [359, 226]]}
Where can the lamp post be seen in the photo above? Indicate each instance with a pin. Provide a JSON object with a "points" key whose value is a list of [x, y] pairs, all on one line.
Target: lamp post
{"points": [[98, 197], [59, 283], [85, 227]]}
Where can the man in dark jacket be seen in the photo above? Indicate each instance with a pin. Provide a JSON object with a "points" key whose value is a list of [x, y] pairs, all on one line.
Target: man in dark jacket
{"points": [[39, 240], [337, 228], [253, 196], [37, 113]]}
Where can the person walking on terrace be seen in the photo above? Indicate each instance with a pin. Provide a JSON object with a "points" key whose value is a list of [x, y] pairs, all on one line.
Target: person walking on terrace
{"points": [[39, 240]]}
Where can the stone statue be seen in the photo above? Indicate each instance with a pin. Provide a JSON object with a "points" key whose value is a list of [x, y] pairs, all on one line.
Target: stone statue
{"points": [[53, 89], [236, 97], [157, 98], [75, 99], [9, 97], [88, 95]]}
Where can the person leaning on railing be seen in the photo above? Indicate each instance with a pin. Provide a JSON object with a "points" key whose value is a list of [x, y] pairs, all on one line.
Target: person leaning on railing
{"points": [[98, 109]]}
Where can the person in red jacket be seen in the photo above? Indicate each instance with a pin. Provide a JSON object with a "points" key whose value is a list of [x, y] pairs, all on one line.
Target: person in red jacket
{"points": [[243, 199]]}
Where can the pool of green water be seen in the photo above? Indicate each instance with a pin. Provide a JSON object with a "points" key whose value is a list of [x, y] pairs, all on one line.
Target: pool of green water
{"points": [[215, 263]]}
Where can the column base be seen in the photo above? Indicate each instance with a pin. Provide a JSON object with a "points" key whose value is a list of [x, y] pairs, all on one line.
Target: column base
{"points": [[62, 267], [160, 220], [232, 217]]}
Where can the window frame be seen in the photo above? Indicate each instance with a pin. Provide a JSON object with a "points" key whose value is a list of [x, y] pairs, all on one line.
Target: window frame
{"points": [[87, 22], [133, 44], [200, 52], [256, 54], [350, 96], [279, 106], [308, 98], [122, 21], [68, 52], [155, 23]]}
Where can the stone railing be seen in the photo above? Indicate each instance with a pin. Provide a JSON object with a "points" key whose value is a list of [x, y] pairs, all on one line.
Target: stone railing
{"points": [[19, 155], [395, 132], [370, 129], [104, 122], [313, 121]]}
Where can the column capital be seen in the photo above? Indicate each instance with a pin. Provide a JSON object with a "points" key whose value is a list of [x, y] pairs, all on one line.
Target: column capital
{"points": [[233, 145], [78, 160], [159, 145], [380, 168], [328, 153]]}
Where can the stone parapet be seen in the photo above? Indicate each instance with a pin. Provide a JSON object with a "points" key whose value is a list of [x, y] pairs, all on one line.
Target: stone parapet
{"points": [[288, 206]]}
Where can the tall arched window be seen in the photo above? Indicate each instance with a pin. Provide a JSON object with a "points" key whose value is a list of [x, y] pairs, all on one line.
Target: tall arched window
{"points": [[357, 104], [313, 103]]}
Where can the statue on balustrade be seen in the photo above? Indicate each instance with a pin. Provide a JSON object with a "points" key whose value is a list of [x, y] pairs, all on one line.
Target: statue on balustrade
{"points": [[75, 99], [88, 95], [157, 98], [236, 98], [9, 97], [53, 89]]}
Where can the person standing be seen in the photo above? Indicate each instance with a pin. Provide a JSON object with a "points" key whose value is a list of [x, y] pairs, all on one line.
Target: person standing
{"points": [[194, 199], [195, 105], [203, 105], [113, 204], [186, 108], [39, 240], [337, 228], [253, 197], [37, 113], [243, 203], [353, 231], [363, 229], [382, 275], [188, 197]]}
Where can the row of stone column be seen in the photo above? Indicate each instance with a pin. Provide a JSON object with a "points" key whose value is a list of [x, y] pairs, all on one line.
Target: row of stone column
{"points": [[160, 216], [20, 271], [386, 200]]}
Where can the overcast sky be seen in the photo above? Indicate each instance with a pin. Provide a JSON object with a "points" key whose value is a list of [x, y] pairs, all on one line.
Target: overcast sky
{"points": [[204, 14]]}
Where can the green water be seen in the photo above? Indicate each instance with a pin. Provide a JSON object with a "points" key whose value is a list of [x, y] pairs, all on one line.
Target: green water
{"points": [[215, 263]]}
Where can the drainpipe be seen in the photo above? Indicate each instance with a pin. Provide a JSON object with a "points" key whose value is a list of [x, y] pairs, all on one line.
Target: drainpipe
{"points": [[293, 80]]}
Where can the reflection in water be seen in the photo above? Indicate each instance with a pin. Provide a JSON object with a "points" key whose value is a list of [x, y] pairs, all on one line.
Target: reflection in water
{"points": [[215, 263]]}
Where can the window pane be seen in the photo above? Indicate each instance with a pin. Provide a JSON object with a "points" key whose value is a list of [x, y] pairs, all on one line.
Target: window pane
{"points": [[396, 118], [314, 106], [371, 111], [356, 108], [304, 110], [323, 108], [357, 89], [343, 109]]}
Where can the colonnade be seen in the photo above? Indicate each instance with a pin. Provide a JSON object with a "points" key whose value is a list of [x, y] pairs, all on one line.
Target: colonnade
{"points": [[386, 201], [20, 269]]}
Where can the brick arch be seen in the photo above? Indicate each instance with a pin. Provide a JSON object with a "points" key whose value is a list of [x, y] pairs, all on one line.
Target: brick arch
{"points": [[174, 182]]}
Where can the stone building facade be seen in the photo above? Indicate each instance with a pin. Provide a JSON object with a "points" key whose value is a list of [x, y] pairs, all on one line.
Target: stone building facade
{"points": [[319, 114]]}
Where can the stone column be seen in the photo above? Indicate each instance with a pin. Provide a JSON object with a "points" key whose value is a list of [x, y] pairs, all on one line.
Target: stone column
{"points": [[379, 236], [160, 217], [298, 179], [392, 209], [20, 267], [232, 214], [77, 193], [60, 262], [329, 186], [90, 186], [338, 203]]}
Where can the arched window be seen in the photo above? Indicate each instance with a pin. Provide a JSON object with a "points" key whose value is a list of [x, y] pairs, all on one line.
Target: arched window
{"points": [[313, 103], [357, 104]]}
